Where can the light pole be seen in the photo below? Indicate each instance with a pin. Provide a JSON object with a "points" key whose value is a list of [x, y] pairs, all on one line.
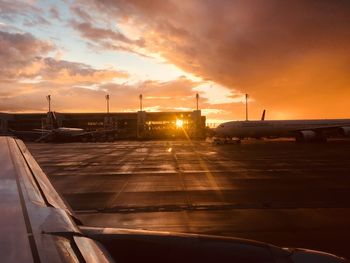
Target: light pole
{"points": [[48, 97], [246, 107], [107, 100], [140, 97]]}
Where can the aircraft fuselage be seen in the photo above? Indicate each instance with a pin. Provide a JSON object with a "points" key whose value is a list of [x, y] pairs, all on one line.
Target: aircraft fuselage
{"points": [[68, 131], [278, 128]]}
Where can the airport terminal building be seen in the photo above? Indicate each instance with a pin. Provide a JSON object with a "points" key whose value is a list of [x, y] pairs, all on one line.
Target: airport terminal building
{"points": [[131, 125]]}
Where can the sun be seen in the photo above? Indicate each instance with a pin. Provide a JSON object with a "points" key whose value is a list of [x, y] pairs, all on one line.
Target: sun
{"points": [[179, 123]]}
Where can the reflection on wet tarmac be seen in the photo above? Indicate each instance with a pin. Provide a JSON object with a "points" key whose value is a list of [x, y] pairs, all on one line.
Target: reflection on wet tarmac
{"points": [[278, 192]]}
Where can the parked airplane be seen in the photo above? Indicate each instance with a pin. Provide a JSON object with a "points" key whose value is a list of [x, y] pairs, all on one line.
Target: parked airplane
{"points": [[38, 226], [57, 133], [301, 130]]}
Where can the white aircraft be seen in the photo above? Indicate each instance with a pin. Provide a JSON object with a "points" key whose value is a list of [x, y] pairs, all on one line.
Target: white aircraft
{"points": [[301, 130], [62, 134]]}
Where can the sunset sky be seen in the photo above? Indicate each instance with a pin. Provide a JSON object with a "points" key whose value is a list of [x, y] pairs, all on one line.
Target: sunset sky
{"points": [[291, 56]]}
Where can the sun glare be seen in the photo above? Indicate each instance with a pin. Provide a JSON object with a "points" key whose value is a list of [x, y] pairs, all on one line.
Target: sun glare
{"points": [[179, 123]]}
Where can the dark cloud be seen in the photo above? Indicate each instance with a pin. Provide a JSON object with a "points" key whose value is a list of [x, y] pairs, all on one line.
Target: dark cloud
{"points": [[67, 72], [55, 13], [27, 73], [24, 56], [19, 54], [291, 56], [96, 34], [9, 9], [107, 38], [82, 14], [27, 11]]}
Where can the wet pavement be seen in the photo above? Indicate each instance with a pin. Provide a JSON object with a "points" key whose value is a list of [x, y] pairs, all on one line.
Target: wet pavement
{"points": [[288, 194]]}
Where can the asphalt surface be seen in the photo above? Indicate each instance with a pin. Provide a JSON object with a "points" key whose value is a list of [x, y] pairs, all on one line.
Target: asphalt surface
{"points": [[280, 192]]}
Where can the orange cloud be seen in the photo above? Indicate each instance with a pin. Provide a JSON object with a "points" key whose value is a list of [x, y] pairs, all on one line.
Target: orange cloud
{"points": [[27, 75], [65, 72], [291, 56], [31, 96], [19, 53], [22, 57]]}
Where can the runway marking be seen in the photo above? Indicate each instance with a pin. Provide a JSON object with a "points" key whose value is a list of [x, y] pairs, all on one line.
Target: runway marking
{"points": [[204, 207], [181, 179], [120, 191]]}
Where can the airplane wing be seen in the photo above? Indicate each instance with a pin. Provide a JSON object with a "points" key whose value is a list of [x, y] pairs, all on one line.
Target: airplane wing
{"points": [[323, 131], [99, 132], [42, 130], [38, 226], [92, 134], [36, 132], [333, 128], [129, 245]]}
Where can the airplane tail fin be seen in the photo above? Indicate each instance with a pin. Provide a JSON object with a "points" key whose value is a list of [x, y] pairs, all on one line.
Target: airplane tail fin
{"points": [[263, 115], [51, 116]]}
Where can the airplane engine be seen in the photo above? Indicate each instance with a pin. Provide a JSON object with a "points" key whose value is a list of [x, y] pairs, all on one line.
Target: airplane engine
{"points": [[306, 136], [345, 131]]}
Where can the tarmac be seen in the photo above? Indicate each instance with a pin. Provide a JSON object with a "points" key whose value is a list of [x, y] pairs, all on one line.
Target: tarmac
{"points": [[280, 192]]}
